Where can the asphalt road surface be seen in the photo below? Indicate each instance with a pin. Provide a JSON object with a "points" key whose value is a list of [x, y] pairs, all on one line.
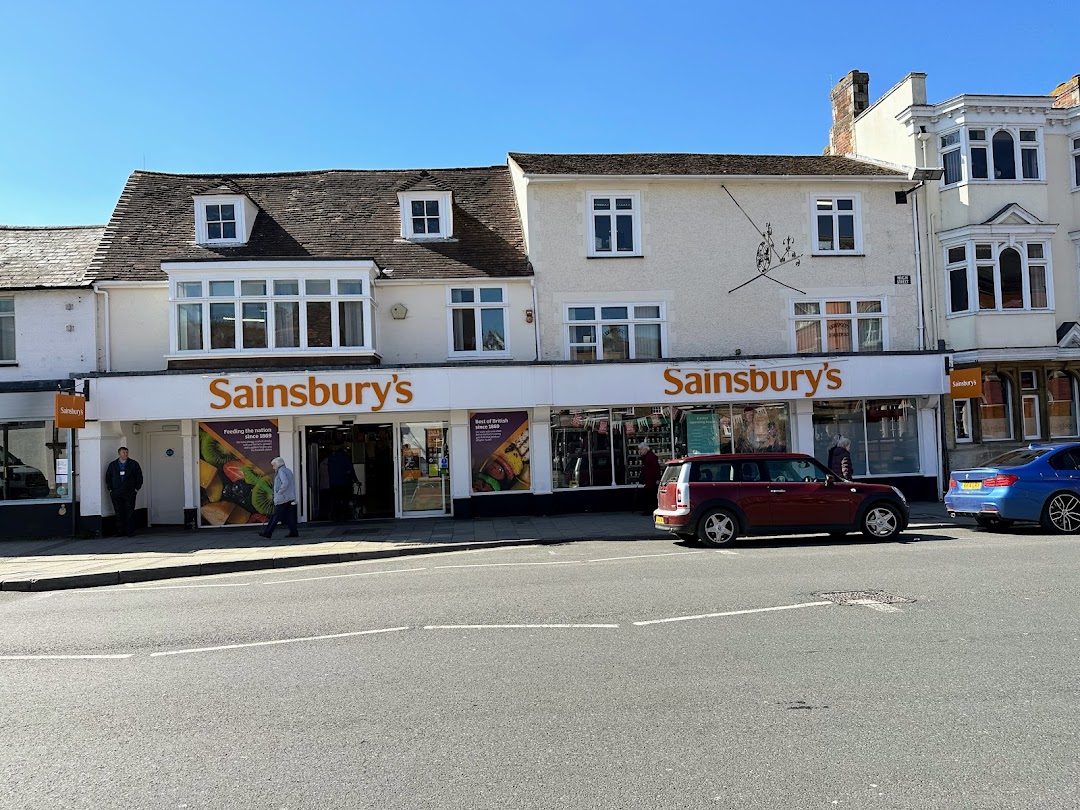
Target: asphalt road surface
{"points": [[586, 675]]}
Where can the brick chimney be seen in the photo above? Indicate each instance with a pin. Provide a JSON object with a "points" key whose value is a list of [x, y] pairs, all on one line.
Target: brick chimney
{"points": [[1067, 94], [849, 98]]}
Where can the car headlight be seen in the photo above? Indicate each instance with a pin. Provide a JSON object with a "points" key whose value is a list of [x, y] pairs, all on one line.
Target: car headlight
{"points": [[899, 495]]}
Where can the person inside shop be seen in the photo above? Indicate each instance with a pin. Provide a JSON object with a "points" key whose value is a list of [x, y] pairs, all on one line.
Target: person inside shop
{"points": [[342, 480], [774, 442], [284, 500], [744, 432], [124, 479], [650, 478], [840, 458]]}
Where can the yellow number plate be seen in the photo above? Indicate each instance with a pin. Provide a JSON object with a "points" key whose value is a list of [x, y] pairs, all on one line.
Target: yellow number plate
{"points": [[971, 485], [659, 521]]}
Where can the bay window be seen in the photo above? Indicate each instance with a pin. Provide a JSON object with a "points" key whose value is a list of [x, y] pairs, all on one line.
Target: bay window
{"points": [[998, 277], [1007, 153]]}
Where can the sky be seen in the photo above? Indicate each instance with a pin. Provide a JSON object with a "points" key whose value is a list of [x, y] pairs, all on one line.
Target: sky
{"points": [[91, 91]]}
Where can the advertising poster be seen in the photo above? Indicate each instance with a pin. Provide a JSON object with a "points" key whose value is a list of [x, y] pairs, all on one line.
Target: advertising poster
{"points": [[236, 481], [702, 433], [500, 451]]}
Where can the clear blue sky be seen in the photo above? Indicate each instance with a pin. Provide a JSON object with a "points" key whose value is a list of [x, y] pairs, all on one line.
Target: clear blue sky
{"points": [[91, 91]]}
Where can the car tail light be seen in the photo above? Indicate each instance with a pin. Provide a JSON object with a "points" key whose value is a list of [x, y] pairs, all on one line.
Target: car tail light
{"points": [[1001, 480], [682, 499], [952, 483]]}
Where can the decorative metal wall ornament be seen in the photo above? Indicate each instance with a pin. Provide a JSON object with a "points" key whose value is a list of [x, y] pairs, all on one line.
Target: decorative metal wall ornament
{"points": [[767, 252]]}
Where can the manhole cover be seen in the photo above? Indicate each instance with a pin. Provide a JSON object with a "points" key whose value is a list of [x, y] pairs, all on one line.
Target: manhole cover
{"points": [[862, 597]]}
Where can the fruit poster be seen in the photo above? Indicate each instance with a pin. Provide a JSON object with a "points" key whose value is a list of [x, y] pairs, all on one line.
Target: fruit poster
{"points": [[236, 481], [500, 451]]}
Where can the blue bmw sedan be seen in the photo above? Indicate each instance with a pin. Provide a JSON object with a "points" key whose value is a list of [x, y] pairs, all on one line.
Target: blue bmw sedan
{"points": [[1039, 483]]}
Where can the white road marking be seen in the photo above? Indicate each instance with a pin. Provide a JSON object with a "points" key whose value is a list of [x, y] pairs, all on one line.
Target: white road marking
{"points": [[503, 565], [136, 586], [341, 576], [276, 641], [730, 613], [645, 556], [58, 657], [726, 551], [873, 604], [518, 626]]}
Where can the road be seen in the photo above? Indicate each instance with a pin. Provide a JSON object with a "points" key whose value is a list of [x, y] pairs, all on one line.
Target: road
{"points": [[641, 674]]}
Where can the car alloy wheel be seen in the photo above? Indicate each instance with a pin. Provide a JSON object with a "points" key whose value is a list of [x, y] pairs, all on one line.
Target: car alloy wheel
{"points": [[718, 529], [881, 522], [1062, 513]]}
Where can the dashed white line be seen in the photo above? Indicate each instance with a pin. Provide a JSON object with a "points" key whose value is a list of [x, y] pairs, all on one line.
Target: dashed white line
{"points": [[504, 565], [276, 641], [873, 604], [730, 613], [59, 657], [520, 626], [342, 576], [134, 586], [646, 556]]}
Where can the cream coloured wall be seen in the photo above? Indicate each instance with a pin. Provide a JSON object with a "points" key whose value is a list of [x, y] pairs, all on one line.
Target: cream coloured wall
{"points": [[1001, 331], [877, 126], [52, 341], [697, 246], [138, 328]]}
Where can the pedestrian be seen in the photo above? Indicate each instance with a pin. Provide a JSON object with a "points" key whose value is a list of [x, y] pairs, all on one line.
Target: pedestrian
{"points": [[650, 477], [124, 479], [840, 458], [342, 478], [284, 500]]}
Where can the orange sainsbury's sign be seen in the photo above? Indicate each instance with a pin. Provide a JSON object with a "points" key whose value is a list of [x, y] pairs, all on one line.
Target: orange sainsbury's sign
{"points": [[808, 381], [70, 411], [369, 394]]}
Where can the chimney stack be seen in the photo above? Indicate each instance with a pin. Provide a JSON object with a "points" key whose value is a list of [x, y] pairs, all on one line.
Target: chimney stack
{"points": [[1067, 94], [849, 98]]}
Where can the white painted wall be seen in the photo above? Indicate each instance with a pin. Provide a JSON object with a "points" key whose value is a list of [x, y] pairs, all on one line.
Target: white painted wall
{"points": [[138, 328], [45, 347], [697, 246]]}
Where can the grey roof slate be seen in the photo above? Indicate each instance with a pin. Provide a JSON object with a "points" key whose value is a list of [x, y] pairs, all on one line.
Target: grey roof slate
{"points": [[700, 164], [34, 257], [333, 214]]}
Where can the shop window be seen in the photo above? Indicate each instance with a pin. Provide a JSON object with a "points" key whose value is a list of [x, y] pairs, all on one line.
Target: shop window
{"points": [[1061, 404], [614, 224], [7, 330], [593, 447], [839, 326], [884, 434], [962, 420], [739, 428], [995, 409], [267, 315], [1029, 404], [477, 320], [34, 459], [615, 331]]}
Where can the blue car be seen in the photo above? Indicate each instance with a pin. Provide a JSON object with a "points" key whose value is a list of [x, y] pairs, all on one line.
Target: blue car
{"points": [[1039, 483]]}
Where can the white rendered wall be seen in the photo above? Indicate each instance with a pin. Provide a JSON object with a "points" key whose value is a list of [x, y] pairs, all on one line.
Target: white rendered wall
{"points": [[52, 341]]}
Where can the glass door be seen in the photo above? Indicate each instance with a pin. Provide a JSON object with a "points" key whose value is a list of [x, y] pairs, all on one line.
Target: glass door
{"points": [[425, 468]]}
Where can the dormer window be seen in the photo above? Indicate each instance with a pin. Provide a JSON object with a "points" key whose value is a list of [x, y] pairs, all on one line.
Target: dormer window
{"points": [[426, 215], [223, 220]]}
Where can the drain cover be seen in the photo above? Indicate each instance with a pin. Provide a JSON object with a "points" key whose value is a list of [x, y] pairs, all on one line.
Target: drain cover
{"points": [[862, 597]]}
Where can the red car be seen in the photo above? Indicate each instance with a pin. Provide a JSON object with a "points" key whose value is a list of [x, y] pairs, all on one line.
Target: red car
{"points": [[717, 498]]}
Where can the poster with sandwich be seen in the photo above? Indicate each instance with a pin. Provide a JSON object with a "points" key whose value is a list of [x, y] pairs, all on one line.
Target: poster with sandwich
{"points": [[236, 481], [500, 451]]}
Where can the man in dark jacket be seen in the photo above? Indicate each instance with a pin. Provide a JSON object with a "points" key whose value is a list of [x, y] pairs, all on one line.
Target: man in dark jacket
{"points": [[124, 479], [342, 478], [650, 477]]}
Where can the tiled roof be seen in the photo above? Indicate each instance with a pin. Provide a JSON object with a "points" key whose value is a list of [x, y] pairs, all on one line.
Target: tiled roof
{"points": [[691, 164], [37, 257], [320, 214]]}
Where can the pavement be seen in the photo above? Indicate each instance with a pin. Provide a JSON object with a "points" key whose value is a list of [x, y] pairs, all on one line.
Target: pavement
{"points": [[168, 553]]}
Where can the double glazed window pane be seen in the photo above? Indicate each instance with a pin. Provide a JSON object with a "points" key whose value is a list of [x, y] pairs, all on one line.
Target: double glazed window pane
{"points": [[958, 290], [1037, 276], [286, 325], [808, 337], [492, 331], [223, 326], [189, 289], [647, 341], [1029, 159], [839, 335], [189, 327], [1012, 279], [979, 167], [1004, 156], [604, 211], [825, 233], [987, 295], [951, 162], [350, 323], [870, 339], [582, 342], [254, 325], [464, 321], [319, 333], [616, 342]]}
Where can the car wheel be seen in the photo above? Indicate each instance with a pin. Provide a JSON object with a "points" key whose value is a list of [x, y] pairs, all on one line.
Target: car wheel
{"points": [[1061, 513], [718, 529], [881, 522], [992, 523]]}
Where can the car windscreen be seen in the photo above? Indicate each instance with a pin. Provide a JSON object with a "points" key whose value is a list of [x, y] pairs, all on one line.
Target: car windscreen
{"points": [[671, 473], [1017, 458]]}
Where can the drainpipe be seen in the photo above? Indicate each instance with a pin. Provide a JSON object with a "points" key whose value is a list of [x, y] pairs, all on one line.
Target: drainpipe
{"points": [[108, 350], [536, 318], [918, 268]]}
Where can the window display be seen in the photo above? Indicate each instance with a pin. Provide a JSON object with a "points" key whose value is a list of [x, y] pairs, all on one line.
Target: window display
{"points": [[34, 461], [884, 434], [738, 428]]}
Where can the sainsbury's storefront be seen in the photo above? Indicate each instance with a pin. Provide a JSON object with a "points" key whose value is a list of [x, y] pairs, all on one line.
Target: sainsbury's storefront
{"points": [[488, 440]]}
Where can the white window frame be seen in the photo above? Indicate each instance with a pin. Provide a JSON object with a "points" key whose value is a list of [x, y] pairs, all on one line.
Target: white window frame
{"points": [[590, 224], [854, 316], [996, 247], [1074, 153], [446, 214], [1034, 399], [599, 322], [965, 409], [201, 225], [1074, 399], [335, 298], [835, 214], [477, 305], [965, 146], [5, 316], [947, 149]]}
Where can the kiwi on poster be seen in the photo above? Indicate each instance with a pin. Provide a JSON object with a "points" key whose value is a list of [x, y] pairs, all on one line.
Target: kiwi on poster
{"points": [[236, 482]]}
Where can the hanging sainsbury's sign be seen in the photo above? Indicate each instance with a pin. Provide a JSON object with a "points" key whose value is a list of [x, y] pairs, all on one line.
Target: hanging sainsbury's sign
{"points": [[360, 395]]}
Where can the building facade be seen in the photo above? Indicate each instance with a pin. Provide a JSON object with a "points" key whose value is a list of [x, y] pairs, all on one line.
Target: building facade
{"points": [[1000, 248]]}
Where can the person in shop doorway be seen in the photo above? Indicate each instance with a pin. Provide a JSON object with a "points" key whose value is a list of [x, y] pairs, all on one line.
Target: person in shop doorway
{"points": [[284, 500], [650, 478], [840, 458], [342, 480], [124, 479], [745, 433]]}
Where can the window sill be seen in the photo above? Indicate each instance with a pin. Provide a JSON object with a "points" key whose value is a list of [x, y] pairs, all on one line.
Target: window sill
{"points": [[425, 240], [9, 365], [209, 243], [838, 255], [479, 356], [955, 315], [618, 256]]}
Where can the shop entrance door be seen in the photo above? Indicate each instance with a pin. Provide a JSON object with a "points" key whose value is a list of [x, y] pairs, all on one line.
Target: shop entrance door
{"points": [[166, 479], [425, 469], [333, 495]]}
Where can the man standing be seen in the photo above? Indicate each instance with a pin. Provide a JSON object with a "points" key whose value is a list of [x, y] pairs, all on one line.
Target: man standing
{"points": [[284, 500], [650, 477], [342, 479], [124, 479]]}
